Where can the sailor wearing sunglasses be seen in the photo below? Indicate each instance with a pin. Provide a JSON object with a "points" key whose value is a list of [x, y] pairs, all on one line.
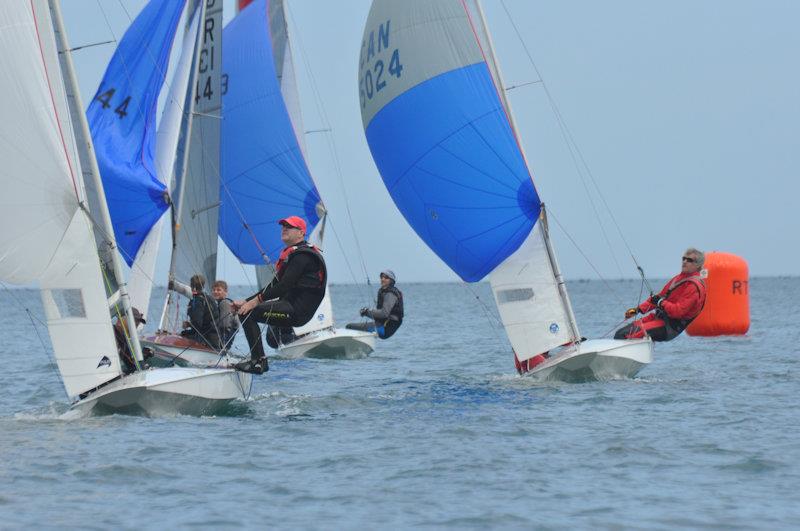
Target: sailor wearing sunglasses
{"points": [[678, 303]]}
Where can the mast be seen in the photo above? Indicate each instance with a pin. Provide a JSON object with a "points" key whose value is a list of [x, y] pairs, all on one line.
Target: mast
{"points": [[562, 289], [176, 213], [104, 216]]}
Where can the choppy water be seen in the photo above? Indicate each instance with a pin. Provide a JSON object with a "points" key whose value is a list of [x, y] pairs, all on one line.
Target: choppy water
{"points": [[434, 430]]}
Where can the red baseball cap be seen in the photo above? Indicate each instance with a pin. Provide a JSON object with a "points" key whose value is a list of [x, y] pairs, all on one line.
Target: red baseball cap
{"points": [[294, 221]]}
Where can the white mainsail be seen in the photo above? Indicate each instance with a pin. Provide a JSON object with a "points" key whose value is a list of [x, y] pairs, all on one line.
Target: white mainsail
{"points": [[170, 127], [47, 236], [323, 317], [198, 201]]}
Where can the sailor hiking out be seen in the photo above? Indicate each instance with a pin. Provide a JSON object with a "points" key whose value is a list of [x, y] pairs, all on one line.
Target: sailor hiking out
{"points": [[678, 303], [388, 314], [290, 300]]}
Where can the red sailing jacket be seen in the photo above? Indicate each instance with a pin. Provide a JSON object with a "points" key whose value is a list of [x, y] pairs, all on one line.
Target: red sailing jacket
{"points": [[684, 301]]}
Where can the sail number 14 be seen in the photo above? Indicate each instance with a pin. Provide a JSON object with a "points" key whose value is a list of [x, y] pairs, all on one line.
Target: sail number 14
{"points": [[374, 75]]}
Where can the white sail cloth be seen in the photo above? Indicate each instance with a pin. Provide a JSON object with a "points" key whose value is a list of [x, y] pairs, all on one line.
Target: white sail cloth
{"points": [[528, 299], [140, 284], [46, 236]]}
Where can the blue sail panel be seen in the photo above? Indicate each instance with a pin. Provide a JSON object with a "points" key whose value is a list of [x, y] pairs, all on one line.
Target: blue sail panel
{"points": [[451, 163], [122, 119], [440, 136], [264, 175]]}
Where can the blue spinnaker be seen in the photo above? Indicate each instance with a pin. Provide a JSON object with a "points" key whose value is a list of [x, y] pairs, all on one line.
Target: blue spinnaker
{"points": [[440, 135], [264, 175], [122, 118]]}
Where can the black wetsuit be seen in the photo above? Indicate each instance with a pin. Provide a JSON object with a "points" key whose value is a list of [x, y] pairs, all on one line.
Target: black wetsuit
{"points": [[291, 299], [203, 314]]}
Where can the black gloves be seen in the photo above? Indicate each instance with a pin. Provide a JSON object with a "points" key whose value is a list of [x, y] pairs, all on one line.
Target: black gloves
{"points": [[655, 299], [363, 312]]}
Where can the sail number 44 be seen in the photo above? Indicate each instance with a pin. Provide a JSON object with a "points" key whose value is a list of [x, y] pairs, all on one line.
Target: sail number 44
{"points": [[105, 101]]}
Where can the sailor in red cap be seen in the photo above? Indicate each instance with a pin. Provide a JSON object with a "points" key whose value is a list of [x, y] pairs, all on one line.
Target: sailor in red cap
{"points": [[290, 300]]}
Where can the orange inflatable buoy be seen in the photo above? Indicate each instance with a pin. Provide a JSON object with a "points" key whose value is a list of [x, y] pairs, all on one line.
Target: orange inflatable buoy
{"points": [[727, 309]]}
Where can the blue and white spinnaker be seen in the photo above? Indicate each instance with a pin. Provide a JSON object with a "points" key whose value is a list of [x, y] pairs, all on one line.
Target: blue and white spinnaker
{"points": [[440, 132], [122, 118]]}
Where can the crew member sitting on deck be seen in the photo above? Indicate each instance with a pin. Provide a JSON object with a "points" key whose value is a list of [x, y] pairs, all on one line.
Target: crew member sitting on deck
{"points": [[227, 323], [121, 337], [678, 303], [291, 299], [202, 312], [388, 315]]}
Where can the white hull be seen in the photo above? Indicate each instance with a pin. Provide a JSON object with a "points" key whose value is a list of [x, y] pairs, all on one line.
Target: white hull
{"points": [[170, 391], [596, 359], [336, 343], [185, 354]]}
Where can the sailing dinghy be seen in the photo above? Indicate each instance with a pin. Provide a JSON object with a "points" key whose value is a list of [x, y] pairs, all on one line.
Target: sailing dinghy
{"points": [[443, 137], [265, 176], [58, 232], [179, 168]]}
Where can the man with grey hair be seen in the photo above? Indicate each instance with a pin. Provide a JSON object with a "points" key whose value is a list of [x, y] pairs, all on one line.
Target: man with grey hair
{"points": [[678, 303], [387, 316]]}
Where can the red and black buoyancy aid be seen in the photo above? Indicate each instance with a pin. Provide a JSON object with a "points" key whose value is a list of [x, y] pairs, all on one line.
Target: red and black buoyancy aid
{"points": [[679, 325], [309, 279]]}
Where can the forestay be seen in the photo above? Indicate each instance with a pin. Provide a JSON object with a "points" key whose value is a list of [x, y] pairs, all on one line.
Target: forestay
{"points": [[122, 117], [440, 132], [47, 237]]}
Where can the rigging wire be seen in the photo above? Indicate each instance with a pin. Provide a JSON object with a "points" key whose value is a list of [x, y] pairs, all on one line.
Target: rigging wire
{"points": [[49, 353], [576, 153]]}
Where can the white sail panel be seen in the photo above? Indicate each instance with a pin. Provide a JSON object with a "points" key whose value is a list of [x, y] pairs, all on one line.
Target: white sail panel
{"points": [[140, 284], [198, 204], [284, 68], [528, 299], [39, 186], [429, 38], [477, 21], [46, 237], [323, 317], [74, 301]]}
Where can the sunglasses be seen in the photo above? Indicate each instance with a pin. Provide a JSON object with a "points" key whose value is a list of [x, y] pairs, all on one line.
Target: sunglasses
{"points": [[690, 260]]}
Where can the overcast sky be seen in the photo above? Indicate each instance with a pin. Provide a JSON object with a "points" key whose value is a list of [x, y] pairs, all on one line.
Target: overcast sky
{"points": [[686, 113]]}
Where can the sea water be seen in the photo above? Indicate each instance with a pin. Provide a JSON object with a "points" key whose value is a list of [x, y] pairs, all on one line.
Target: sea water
{"points": [[434, 429]]}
